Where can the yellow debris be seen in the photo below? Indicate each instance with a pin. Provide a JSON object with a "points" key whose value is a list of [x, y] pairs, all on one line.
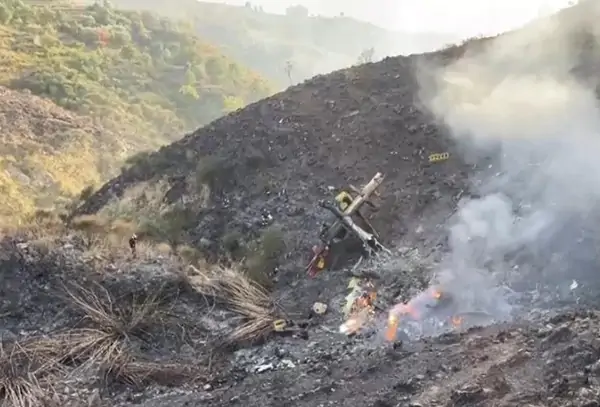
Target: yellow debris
{"points": [[279, 325], [354, 281], [344, 199], [438, 157]]}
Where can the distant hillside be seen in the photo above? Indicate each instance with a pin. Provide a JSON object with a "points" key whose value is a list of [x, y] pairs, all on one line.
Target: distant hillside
{"points": [[312, 44], [46, 151], [143, 79]]}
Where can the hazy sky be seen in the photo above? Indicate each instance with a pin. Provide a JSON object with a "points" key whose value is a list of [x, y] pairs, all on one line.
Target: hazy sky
{"points": [[464, 17]]}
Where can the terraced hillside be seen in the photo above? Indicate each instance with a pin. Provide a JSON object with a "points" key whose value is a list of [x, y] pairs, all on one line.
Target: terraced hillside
{"points": [[144, 79]]}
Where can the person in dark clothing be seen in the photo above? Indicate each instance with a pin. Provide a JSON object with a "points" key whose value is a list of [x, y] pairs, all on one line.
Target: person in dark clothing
{"points": [[132, 244]]}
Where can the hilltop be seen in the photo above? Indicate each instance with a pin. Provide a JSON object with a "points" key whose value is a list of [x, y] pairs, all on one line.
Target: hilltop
{"points": [[142, 78], [295, 46]]}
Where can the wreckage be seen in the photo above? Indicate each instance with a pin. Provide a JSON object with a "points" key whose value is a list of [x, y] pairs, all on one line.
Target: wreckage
{"points": [[360, 310], [349, 223]]}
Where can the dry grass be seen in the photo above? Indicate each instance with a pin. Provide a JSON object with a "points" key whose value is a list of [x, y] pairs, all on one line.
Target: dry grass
{"points": [[251, 302], [111, 326], [104, 346], [27, 374], [107, 343]]}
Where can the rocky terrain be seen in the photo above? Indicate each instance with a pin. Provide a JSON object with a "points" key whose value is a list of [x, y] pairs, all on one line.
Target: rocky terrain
{"points": [[506, 228]]}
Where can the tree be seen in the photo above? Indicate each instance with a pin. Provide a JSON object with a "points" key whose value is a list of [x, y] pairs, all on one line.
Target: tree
{"points": [[232, 103], [366, 56]]}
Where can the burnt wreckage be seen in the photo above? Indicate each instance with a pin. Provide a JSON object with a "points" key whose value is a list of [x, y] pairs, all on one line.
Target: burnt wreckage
{"points": [[349, 224]]}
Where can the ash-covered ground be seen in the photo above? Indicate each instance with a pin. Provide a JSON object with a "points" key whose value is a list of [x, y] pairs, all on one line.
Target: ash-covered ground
{"points": [[507, 228]]}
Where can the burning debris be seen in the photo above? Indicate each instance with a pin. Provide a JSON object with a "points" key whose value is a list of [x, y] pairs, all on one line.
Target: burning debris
{"points": [[433, 303], [360, 306], [350, 223]]}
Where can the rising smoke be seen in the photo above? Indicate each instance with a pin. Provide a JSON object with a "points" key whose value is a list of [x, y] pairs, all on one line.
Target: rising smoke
{"points": [[523, 101]]}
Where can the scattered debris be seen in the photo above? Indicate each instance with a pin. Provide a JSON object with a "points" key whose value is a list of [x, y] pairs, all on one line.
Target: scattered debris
{"points": [[360, 306], [319, 308], [264, 368], [433, 158]]}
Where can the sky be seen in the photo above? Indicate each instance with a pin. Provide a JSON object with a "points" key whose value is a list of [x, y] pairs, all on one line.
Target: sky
{"points": [[466, 18]]}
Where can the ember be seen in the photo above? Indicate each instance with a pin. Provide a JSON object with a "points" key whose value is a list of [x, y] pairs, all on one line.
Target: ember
{"points": [[362, 308], [356, 322], [456, 321], [417, 309], [392, 328]]}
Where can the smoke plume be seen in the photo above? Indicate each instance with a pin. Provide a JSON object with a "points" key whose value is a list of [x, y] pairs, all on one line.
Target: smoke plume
{"points": [[525, 101]]}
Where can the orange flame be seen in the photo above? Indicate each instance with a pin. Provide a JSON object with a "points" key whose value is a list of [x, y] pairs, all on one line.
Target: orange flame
{"points": [[456, 321], [351, 326], [392, 328], [436, 294], [356, 321], [362, 311]]}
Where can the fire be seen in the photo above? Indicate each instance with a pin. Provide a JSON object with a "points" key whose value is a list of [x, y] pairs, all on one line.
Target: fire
{"points": [[361, 311], [456, 321], [351, 326], [413, 309], [355, 322], [392, 328], [394, 319]]}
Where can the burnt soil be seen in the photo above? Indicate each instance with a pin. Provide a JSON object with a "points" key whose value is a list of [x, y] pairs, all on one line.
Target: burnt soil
{"points": [[269, 165]]}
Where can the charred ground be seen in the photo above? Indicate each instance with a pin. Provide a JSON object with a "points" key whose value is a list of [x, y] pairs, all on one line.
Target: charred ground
{"points": [[278, 157]]}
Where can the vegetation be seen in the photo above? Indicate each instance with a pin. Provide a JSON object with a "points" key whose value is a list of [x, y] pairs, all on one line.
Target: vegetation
{"points": [[100, 60], [284, 48], [116, 331], [142, 80]]}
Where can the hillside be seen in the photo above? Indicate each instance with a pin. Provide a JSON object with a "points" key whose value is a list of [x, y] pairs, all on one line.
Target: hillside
{"points": [[311, 44], [492, 268], [145, 79], [47, 151], [332, 130]]}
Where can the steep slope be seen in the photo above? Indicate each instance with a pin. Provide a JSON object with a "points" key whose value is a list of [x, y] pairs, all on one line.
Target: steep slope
{"points": [[45, 151], [143, 78], [518, 265], [100, 60], [276, 158], [271, 162], [311, 44], [166, 355], [280, 156]]}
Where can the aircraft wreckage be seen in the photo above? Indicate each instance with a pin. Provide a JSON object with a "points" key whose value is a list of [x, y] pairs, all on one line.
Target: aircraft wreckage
{"points": [[349, 222]]}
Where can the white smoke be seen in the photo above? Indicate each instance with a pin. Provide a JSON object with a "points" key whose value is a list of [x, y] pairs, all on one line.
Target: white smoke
{"points": [[520, 102]]}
